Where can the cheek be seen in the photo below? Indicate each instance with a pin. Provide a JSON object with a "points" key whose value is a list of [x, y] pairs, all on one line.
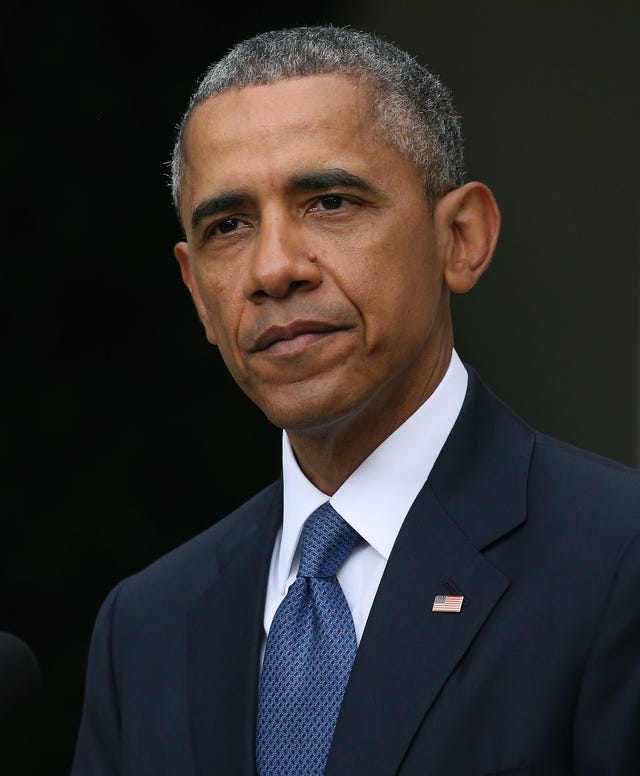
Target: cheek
{"points": [[393, 279], [401, 311], [222, 316]]}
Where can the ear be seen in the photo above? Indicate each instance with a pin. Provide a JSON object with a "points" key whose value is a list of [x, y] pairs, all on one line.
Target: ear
{"points": [[181, 252], [468, 220]]}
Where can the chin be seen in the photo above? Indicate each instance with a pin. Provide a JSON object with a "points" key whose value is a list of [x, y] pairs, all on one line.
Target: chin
{"points": [[303, 419], [310, 406], [304, 415]]}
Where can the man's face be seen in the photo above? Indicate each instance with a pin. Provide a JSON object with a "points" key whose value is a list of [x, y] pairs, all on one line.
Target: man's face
{"points": [[312, 254]]}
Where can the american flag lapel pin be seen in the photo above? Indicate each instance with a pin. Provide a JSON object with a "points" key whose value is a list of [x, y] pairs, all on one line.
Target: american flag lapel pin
{"points": [[447, 603]]}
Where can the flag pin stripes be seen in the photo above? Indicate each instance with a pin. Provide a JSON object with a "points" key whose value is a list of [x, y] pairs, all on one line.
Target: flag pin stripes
{"points": [[447, 603]]}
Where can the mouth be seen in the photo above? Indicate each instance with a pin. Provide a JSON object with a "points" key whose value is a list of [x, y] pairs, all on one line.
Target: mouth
{"points": [[292, 338]]}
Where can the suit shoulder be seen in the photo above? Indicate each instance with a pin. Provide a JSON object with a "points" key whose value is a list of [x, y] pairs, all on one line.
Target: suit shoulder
{"points": [[568, 456], [595, 485]]}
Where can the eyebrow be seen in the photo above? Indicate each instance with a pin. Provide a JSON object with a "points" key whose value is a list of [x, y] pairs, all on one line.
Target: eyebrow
{"points": [[323, 180], [218, 203]]}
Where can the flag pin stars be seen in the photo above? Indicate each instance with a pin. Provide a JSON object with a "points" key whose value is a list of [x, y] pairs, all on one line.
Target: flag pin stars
{"points": [[447, 603]]}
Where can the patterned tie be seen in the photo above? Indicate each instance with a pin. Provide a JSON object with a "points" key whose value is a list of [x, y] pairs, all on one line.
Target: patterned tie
{"points": [[308, 656]]}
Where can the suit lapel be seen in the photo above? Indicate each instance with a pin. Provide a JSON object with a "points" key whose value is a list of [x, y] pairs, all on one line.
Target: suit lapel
{"points": [[408, 652], [224, 640]]}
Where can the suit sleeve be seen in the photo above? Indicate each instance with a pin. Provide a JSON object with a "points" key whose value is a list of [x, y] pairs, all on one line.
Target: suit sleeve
{"points": [[97, 751], [607, 734]]}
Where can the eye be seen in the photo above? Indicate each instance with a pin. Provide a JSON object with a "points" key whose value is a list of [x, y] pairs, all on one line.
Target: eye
{"points": [[331, 202], [226, 226]]}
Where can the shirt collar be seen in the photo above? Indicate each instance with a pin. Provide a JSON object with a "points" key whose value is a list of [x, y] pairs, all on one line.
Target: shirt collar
{"points": [[376, 497]]}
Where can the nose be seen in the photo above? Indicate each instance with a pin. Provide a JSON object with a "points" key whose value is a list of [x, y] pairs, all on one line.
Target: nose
{"points": [[282, 262]]}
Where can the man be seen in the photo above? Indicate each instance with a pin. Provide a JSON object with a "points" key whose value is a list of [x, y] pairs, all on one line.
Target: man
{"points": [[474, 609]]}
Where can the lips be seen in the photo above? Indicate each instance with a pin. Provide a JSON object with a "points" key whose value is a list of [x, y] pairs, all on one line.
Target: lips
{"points": [[304, 330]]}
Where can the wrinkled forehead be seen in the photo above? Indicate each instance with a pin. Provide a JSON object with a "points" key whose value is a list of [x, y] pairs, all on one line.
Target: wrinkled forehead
{"points": [[317, 113], [263, 104]]}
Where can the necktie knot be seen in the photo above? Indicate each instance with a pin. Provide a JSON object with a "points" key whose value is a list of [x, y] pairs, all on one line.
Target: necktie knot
{"points": [[327, 540]]}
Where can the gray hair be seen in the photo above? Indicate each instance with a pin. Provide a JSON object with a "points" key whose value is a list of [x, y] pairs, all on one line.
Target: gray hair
{"points": [[413, 108]]}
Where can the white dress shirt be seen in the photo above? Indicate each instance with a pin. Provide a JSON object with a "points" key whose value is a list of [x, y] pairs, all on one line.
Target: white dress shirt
{"points": [[374, 500]]}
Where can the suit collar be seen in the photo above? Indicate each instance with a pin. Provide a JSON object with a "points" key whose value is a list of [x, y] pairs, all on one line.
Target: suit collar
{"points": [[224, 640], [481, 475]]}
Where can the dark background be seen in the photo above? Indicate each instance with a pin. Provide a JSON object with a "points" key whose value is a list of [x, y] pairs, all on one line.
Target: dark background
{"points": [[123, 434]]}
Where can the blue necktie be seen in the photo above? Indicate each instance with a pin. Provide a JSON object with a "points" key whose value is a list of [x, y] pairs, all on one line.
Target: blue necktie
{"points": [[308, 655]]}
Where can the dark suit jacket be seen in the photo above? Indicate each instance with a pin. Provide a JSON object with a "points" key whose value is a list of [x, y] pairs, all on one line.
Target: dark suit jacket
{"points": [[539, 673]]}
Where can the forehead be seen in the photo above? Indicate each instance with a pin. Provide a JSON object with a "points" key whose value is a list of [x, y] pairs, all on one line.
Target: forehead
{"points": [[309, 103], [315, 121]]}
